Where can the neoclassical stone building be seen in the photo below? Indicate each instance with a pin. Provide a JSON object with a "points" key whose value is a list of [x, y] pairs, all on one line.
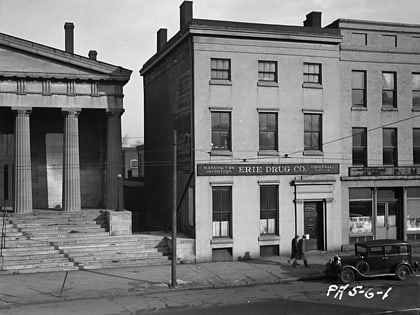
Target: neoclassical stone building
{"points": [[60, 127]]}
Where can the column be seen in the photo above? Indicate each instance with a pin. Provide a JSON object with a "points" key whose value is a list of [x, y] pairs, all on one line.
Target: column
{"points": [[114, 165], [23, 174], [71, 167]]}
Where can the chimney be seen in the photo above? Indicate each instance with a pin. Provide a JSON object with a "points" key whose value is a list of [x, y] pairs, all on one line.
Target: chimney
{"points": [[162, 38], [186, 14], [92, 54], [69, 37], [313, 19]]}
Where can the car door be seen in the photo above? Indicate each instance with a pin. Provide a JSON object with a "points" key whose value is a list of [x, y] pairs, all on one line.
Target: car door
{"points": [[375, 259], [391, 257]]}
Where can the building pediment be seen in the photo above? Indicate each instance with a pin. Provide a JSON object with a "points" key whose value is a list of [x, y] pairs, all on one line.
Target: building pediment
{"points": [[23, 59]]}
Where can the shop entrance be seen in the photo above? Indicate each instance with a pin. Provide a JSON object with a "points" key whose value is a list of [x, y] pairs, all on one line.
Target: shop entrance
{"points": [[314, 225], [387, 213]]}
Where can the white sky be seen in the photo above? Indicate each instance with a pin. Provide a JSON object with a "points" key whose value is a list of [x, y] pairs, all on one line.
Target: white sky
{"points": [[123, 32]]}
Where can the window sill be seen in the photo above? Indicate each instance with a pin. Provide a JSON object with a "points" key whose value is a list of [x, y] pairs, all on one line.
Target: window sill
{"points": [[416, 109], [268, 237], [312, 85], [221, 242], [220, 82], [268, 83], [359, 108], [313, 153], [389, 109], [268, 153], [221, 153]]}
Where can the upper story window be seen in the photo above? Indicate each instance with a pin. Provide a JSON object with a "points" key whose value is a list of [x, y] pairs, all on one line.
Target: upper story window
{"points": [[268, 131], [312, 73], [359, 151], [389, 40], [389, 91], [390, 149], [358, 86], [267, 71], [313, 132], [220, 131], [416, 145], [359, 39], [134, 163], [220, 69], [416, 90]]}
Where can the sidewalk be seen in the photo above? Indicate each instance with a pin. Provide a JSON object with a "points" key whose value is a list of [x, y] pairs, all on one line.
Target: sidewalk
{"points": [[23, 289]]}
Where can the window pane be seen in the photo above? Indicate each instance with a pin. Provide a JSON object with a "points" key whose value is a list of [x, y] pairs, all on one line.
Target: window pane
{"points": [[413, 192], [416, 137], [389, 137], [388, 81], [359, 137], [416, 81], [358, 80], [225, 120], [308, 122], [388, 98], [416, 98], [360, 193], [360, 216], [358, 97], [316, 122], [388, 157]]}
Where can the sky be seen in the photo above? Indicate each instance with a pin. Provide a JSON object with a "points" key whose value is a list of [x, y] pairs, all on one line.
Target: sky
{"points": [[123, 32]]}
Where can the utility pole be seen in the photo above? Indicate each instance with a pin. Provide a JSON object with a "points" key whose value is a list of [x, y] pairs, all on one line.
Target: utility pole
{"points": [[174, 219]]}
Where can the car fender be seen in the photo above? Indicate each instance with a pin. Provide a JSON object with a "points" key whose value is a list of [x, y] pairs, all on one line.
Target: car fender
{"points": [[354, 269], [405, 263]]}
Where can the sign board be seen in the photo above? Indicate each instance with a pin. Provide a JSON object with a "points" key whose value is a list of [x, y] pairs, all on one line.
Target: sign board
{"points": [[266, 169], [384, 171]]}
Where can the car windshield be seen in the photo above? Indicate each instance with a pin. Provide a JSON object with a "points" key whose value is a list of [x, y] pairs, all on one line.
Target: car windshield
{"points": [[361, 250]]}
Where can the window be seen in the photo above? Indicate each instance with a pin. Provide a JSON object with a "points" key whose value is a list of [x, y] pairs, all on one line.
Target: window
{"points": [[413, 212], [358, 86], [312, 73], [222, 211], [220, 131], [389, 98], [390, 153], [220, 69], [267, 71], [268, 209], [312, 132], [416, 145], [268, 131], [416, 90], [134, 163], [359, 152], [360, 210], [359, 39]]}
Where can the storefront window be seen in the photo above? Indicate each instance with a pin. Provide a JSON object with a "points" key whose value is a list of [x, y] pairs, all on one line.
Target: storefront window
{"points": [[360, 210], [413, 210]]}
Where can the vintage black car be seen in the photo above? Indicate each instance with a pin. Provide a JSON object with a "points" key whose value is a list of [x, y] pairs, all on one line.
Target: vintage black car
{"points": [[373, 259]]}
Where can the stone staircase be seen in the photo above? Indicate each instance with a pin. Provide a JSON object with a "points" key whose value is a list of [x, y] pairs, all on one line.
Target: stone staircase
{"points": [[47, 241]]}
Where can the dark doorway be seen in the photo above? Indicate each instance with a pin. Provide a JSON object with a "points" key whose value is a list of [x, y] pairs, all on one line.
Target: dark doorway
{"points": [[314, 225]]}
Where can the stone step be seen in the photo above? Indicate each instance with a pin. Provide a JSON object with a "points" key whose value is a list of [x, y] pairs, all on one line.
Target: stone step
{"points": [[13, 233], [25, 252], [37, 255], [15, 238], [58, 232], [107, 243], [115, 252], [70, 235], [39, 270], [20, 243], [35, 226], [120, 256], [108, 239], [38, 223], [118, 264], [48, 261], [39, 265], [108, 247]]}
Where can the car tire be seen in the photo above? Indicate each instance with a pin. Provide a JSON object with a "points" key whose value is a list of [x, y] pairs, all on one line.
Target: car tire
{"points": [[362, 266], [402, 272], [346, 275]]}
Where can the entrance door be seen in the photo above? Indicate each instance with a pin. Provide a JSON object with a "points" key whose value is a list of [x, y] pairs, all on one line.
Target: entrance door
{"points": [[386, 219], [6, 170], [314, 225]]}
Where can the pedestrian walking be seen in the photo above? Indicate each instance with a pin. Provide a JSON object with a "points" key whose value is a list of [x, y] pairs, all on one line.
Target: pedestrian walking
{"points": [[294, 248], [300, 254]]}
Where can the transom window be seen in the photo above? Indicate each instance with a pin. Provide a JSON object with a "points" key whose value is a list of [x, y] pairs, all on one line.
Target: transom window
{"points": [[220, 131], [390, 152], [358, 85], [359, 146], [267, 71], [268, 131], [416, 90], [268, 209], [220, 69], [312, 73], [389, 96], [312, 132], [222, 211]]}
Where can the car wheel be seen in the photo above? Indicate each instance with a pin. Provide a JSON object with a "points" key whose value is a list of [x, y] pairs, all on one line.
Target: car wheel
{"points": [[402, 272], [346, 275], [362, 266]]}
